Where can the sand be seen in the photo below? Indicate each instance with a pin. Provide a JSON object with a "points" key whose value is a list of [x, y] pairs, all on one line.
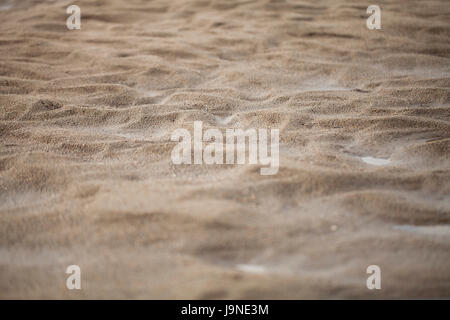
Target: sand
{"points": [[86, 176]]}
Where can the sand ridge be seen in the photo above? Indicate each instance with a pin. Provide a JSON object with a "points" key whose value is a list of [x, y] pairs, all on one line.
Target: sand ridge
{"points": [[86, 176]]}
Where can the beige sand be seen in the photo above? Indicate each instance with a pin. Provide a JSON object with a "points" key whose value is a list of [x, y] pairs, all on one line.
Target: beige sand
{"points": [[86, 176]]}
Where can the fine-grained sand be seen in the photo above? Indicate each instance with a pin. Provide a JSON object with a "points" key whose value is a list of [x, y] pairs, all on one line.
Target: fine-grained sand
{"points": [[86, 176]]}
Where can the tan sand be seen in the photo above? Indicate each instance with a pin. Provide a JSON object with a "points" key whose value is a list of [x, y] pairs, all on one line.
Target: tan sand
{"points": [[86, 176]]}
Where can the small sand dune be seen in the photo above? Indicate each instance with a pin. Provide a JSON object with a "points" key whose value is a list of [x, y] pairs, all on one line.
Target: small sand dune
{"points": [[86, 176]]}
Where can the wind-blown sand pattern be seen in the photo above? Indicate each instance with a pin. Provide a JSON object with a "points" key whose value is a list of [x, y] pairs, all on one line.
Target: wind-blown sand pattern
{"points": [[86, 176]]}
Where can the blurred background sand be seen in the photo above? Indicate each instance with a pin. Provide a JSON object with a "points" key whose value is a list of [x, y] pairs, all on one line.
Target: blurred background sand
{"points": [[86, 176]]}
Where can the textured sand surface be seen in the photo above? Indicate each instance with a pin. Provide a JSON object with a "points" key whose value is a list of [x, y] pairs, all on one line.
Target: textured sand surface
{"points": [[86, 176]]}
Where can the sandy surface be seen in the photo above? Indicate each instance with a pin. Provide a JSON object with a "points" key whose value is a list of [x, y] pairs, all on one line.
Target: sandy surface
{"points": [[86, 176]]}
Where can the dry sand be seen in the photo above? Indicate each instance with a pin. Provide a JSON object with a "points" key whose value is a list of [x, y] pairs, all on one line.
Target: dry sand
{"points": [[86, 176]]}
